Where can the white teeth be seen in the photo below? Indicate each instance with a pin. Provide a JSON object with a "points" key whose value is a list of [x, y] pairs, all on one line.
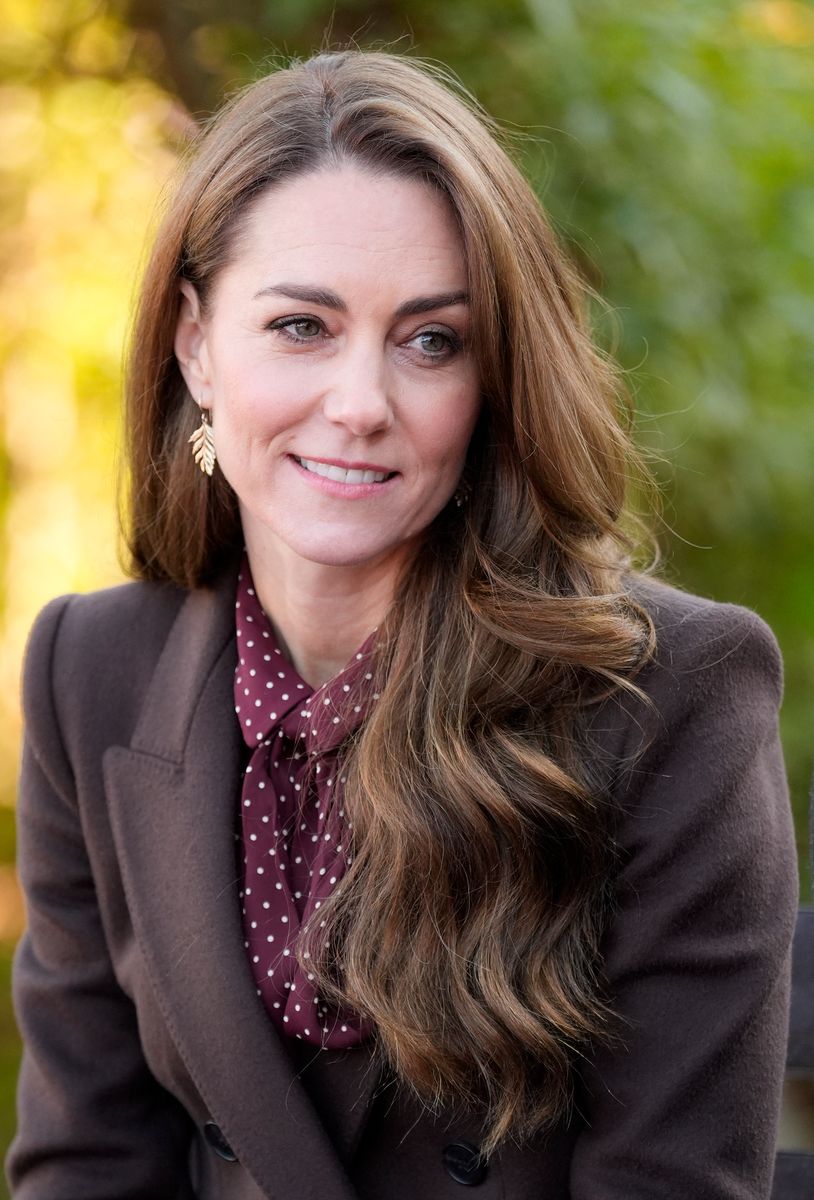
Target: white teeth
{"points": [[340, 474]]}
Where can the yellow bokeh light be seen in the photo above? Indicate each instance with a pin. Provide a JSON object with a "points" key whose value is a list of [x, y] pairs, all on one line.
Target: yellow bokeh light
{"points": [[786, 21], [85, 159]]}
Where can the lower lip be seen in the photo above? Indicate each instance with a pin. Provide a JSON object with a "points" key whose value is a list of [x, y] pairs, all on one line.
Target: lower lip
{"points": [[344, 491]]}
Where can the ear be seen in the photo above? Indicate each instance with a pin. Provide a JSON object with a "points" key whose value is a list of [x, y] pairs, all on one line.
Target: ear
{"points": [[191, 349]]}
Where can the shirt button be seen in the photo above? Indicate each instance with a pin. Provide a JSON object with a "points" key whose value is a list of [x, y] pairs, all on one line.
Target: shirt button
{"points": [[218, 1142], [464, 1163]]}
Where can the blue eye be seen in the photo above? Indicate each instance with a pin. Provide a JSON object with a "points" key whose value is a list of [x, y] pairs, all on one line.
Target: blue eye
{"points": [[437, 343], [298, 329]]}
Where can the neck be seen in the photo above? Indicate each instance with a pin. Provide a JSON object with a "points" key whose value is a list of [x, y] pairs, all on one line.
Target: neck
{"points": [[321, 614]]}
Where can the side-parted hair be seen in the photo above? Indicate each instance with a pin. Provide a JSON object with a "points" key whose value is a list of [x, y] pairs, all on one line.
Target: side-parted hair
{"points": [[467, 927]]}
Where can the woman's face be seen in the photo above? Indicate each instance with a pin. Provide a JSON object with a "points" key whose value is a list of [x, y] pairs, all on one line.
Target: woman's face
{"points": [[336, 361]]}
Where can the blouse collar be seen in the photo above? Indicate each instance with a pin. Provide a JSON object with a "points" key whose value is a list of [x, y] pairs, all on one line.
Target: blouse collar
{"points": [[271, 695]]}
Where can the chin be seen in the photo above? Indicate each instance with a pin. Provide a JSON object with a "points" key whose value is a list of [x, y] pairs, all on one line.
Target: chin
{"points": [[336, 555]]}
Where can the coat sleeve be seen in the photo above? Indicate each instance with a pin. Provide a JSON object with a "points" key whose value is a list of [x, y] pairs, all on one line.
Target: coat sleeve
{"points": [[92, 1120], [698, 955]]}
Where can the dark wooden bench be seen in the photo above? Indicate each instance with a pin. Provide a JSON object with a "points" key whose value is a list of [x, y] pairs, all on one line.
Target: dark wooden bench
{"points": [[794, 1169]]}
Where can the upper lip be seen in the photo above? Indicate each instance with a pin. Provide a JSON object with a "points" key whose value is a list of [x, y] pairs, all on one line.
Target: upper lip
{"points": [[355, 465]]}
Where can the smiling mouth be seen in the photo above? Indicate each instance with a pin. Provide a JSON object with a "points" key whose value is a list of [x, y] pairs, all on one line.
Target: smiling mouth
{"points": [[342, 474]]}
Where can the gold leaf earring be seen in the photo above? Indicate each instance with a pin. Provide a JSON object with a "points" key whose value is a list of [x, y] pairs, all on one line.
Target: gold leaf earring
{"points": [[203, 445]]}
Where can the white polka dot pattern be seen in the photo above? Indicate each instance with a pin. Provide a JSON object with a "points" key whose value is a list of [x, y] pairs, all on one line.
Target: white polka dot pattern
{"points": [[296, 840]]}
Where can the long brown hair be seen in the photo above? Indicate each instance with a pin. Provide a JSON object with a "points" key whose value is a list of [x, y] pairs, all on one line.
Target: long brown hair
{"points": [[468, 925]]}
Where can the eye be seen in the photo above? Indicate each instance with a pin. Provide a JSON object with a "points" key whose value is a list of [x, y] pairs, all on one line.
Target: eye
{"points": [[298, 329], [436, 343]]}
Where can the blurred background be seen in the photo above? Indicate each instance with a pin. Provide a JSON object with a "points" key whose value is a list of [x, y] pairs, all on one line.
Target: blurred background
{"points": [[673, 146]]}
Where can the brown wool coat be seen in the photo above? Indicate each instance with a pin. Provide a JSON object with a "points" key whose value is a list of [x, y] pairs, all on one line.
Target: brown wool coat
{"points": [[147, 1050]]}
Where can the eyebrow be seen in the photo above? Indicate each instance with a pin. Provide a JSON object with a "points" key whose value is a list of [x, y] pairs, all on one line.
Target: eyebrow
{"points": [[326, 298]]}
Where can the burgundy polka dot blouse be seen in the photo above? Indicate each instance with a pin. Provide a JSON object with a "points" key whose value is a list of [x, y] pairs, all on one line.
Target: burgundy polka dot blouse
{"points": [[296, 838]]}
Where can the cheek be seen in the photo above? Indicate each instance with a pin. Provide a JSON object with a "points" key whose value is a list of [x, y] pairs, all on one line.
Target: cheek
{"points": [[263, 399], [450, 431], [256, 404]]}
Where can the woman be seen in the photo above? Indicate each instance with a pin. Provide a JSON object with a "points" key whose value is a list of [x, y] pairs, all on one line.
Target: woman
{"points": [[389, 835]]}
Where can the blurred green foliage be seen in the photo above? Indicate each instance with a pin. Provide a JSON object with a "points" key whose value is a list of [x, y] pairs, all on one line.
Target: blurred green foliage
{"points": [[673, 146]]}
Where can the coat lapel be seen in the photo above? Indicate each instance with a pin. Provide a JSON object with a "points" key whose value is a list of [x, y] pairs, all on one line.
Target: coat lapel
{"points": [[173, 797]]}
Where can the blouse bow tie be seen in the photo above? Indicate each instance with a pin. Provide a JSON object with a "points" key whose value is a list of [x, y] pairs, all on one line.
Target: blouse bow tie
{"points": [[296, 839]]}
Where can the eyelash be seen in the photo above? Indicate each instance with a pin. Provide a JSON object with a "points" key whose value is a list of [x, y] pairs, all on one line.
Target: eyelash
{"points": [[284, 324]]}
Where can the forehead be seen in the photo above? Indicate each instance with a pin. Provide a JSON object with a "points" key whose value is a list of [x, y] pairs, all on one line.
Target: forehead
{"points": [[349, 226]]}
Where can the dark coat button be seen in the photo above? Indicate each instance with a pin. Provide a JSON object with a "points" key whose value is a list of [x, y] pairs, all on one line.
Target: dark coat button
{"points": [[464, 1163], [218, 1142]]}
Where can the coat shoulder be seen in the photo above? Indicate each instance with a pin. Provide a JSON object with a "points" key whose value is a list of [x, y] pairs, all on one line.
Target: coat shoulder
{"points": [[80, 632], [89, 657], [715, 666], [696, 636]]}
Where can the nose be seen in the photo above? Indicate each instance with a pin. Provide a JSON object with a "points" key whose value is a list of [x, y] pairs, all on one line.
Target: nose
{"points": [[359, 394]]}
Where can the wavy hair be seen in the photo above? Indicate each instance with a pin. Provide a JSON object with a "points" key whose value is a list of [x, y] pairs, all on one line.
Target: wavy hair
{"points": [[468, 926]]}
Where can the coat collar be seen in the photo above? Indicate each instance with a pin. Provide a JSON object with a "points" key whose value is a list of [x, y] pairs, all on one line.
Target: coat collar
{"points": [[173, 796]]}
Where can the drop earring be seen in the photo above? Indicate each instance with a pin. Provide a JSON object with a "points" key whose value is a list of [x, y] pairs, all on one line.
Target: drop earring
{"points": [[461, 494], [203, 445]]}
